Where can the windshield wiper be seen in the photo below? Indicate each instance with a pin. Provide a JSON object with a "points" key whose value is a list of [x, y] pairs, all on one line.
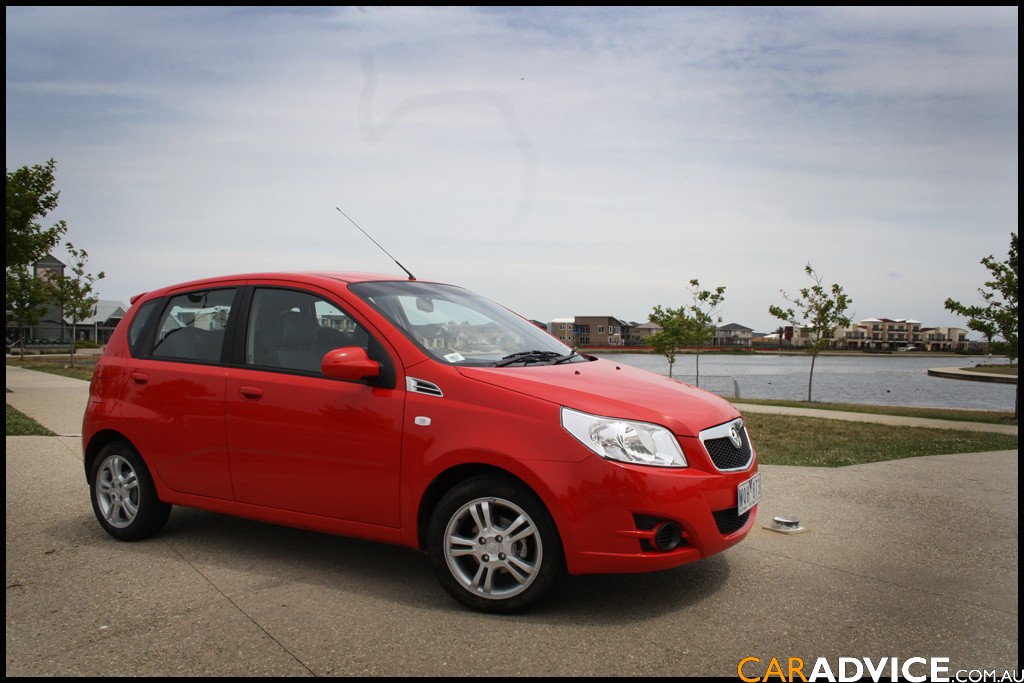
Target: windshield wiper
{"points": [[564, 359], [533, 357]]}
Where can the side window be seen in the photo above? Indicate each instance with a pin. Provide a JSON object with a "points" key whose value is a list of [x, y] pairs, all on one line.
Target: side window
{"points": [[138, 323], [193, 326], [292, 330]]}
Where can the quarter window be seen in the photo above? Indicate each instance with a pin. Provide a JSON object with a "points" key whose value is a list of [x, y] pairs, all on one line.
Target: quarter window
{"points": [[138, 323]]}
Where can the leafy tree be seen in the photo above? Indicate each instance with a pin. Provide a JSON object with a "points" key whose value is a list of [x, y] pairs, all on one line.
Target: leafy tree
{"points": [[998, 315], [820, 310], [30, 197], [674, 324], [27, 299], [692, 325], [74, 292]]}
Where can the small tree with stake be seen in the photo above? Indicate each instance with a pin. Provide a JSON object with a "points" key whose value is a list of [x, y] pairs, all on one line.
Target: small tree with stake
{"points": [[692, 325], [820, 310], [75, 292], [674, 324]]}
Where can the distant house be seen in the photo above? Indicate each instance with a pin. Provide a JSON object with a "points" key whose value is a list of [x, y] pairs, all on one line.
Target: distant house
{"points": [[644, 331], [733, 334], [561, 329], [54, 327], [100, 325], [51, 325], [870, 334], [600, 330]]}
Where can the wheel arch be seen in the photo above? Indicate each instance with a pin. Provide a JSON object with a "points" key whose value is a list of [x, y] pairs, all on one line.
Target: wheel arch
{"points": [[452, 477], [96, 444]]}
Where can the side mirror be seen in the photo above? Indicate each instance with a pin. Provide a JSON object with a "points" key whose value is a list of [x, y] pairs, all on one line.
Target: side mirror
{"points": [[349, 363]]}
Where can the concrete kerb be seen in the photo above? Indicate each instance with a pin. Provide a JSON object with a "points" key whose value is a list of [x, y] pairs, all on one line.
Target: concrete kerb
{"points": [[971, 375]]}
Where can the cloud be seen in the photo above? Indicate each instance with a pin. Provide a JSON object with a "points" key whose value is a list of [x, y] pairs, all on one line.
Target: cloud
{"points": [[557, 159]]}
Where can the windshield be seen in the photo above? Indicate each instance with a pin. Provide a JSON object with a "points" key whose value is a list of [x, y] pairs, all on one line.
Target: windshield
{"points": [[456, 326]]}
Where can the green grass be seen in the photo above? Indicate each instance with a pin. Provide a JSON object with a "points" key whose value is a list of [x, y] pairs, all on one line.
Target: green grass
{"points": [[958, 415], [814, 442], [1006, 369], [83, 368], [19, 424]]}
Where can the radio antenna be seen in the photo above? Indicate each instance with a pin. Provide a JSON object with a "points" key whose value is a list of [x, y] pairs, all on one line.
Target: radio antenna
{"points": [[411, 276]]}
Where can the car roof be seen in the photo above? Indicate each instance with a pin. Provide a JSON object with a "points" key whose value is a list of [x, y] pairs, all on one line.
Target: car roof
{"points": [[311, 277]]}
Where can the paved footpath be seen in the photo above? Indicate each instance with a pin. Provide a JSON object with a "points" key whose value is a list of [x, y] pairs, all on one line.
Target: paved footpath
{"points": [[907, 558]]}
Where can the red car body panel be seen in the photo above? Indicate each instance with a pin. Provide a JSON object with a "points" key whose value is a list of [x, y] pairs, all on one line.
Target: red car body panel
{"points": [[358, 460]]}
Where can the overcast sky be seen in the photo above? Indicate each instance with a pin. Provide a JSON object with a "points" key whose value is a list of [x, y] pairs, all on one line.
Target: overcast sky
{"points": [[562, 161]]}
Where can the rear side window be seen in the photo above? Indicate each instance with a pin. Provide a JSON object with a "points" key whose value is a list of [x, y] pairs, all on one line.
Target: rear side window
{"points": [[193, 326], [138, 324]]}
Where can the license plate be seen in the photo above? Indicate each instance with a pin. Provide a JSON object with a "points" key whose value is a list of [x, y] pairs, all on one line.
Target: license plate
{"points": [[748, 494]]}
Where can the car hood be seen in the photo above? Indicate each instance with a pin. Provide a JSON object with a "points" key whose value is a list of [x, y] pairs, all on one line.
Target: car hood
{"points": [[610, 389]]}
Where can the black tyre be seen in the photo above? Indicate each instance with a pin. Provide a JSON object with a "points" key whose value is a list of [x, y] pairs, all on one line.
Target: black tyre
{"points": [[494, 546], [123, 495]]}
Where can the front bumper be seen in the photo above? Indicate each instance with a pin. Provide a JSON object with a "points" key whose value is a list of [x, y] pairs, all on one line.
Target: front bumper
{"points": [[615, 517]]}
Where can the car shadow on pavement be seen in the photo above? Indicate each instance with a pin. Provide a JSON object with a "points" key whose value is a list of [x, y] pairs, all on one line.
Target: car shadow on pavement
{"points": [[240, 556]]}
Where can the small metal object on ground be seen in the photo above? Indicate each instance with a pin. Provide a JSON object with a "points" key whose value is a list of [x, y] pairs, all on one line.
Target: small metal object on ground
{"points": [[785, 525]]}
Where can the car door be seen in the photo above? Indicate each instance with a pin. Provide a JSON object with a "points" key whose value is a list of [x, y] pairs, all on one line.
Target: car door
{"points": [[299, 441], [174, 392]]}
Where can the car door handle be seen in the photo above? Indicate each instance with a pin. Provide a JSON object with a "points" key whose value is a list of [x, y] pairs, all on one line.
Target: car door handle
{"points": [[254, 393], [139, 378]]}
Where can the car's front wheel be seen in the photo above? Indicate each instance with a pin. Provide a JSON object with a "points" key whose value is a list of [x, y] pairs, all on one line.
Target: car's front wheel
{"points": [[123, 495], [494, 545]]}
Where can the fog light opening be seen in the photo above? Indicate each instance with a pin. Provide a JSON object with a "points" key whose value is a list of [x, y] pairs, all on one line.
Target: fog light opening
{"points": [[667, 536]]}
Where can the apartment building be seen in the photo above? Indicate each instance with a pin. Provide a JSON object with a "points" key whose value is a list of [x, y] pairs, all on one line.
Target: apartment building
{"points": [[888, 334], [600, 330], [870, 334], [944, 339], [562, 330]]}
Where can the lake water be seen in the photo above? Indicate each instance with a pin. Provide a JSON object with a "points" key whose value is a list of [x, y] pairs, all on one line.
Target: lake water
{"points": [[868, 379]]}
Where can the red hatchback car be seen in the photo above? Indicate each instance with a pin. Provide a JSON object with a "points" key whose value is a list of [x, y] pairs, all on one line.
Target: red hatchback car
{"points": [[415, 413]]}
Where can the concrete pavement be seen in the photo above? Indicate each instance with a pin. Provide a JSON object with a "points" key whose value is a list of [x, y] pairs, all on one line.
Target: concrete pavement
{"points": [[910, 558]]}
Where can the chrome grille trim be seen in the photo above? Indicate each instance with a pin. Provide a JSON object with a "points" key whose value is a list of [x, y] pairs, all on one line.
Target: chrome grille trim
{"points": [[725, 456]]}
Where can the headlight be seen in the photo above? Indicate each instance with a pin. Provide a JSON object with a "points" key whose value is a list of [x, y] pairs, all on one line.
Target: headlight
{"points": [[639, 443]]}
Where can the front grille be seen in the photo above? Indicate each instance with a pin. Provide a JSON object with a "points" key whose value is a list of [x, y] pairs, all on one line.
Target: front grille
{"points": [[729, 522], [724, 454]]}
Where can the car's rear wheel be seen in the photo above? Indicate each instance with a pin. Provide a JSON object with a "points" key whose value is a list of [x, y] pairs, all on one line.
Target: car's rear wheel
{"points": [[123, 495], [494, 545]]}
